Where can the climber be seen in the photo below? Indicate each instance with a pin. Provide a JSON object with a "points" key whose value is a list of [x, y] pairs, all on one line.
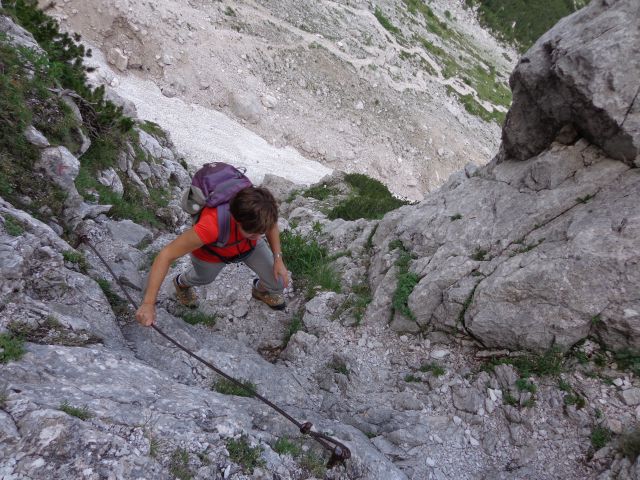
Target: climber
{"points": [[253, 212]]}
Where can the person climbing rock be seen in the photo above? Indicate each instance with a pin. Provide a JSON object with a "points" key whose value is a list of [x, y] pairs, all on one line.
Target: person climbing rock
{"points": [[253, 213]]}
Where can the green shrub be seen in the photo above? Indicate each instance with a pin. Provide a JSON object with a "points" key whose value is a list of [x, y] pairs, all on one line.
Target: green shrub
{"points": [[600, 436], [522, 22], [227, 387], [284, 446], [385, 22], [406, 283], [525, 385], [179, 465], [195, 317], [320, 192], [435, 369], [76, 258], [549, 363], [12, 226], [309, 261], [370, 199], [244, 455], [294, 326], [82, 413], [11, 347]]}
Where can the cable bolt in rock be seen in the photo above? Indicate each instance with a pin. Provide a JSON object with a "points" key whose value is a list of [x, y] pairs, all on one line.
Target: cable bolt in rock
{"points": [[339, 451]]}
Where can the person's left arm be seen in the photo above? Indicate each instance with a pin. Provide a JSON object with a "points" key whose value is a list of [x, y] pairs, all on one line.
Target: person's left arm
{"points": [[279, 268]]}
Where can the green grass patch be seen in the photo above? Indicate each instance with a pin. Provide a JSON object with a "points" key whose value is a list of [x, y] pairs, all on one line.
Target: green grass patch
{"points": [[522, 22], [12, 226], [628, 360], [11, 347], [179, 465], [600, 436], [249, 458], [313, 463], [433, 368], [77, 258], [310, 262], [284, 446], [153, 129], [339, 366], [406, 283], [434, 24], [320, 192], [487, 85], [479, 255], [195, 317], [455, 217], [119, 306], [526, 385], [411, 378], [82, 413], [227, 387], [385, 22], [548, 364], [370, 199], [295, 325]]}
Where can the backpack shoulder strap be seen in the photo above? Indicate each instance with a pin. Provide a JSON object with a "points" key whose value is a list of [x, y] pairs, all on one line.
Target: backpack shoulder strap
{"points": [[224, 225]]}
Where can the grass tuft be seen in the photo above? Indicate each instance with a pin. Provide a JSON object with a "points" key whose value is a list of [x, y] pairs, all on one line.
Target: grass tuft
{"points": [[600, 436], [227, 387], [433, 368], [82, 413], [294, 326], [244, 455], [179, 465], [406, 283], [11, 347], [196, 317], [12, 226]]}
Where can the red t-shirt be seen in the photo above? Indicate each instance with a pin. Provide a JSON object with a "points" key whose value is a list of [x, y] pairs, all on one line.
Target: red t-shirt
{"points": [[207, 229]]}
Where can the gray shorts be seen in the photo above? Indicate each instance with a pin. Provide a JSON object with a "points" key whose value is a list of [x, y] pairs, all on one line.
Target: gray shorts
{"points": [[260, 261]]}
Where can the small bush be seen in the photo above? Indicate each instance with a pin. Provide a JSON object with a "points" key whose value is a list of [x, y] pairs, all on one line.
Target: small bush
{"points": [[406, 283], [76, 258], [82, 413], [385, 22], [294, 326], [370, 199], [411, 378], [227, 387], [244, 455], [12, 226], [284, 446], [526, 385], [11, 348], [600, 436], [455, 217], [435, 369], [548, 364], [320, 192], [479, 255], [310, 261], [179, 464], [195, 317]]}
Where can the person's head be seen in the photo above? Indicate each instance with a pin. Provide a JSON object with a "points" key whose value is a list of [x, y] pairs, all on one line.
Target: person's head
{"points": [[255, 209]]}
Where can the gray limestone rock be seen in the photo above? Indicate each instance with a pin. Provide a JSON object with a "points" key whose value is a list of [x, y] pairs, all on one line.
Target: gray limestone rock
{"points": [[35, 137], [127, 232], [61, 167], [573, 76]]}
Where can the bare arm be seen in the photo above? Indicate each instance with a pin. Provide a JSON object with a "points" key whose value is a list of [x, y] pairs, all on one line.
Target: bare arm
{"points": [[279, 268], [185, 243]]}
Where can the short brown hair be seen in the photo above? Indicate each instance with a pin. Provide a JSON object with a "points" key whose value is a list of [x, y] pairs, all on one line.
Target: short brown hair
{"points": [[255, 209]]}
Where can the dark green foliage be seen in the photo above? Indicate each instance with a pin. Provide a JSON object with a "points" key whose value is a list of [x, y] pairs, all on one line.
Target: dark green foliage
{"points": [[530, 18], [227, 387], [195, 317], [310, 261], [119, 306], [12, 226], [393, 244], [406, 283], [575, 399], [339, 367], [455, 217], [179, 464], [284, 446], [435, 369], [628, 360], [600, 436], [76, 258], [584, 199], [548, 364], [294, 326], [385, 22], [82, 413], [370, 199], [526, 385], [411, 378], [479, 255], [11, 347], [320, 192], [244, 455], [509, 399]]}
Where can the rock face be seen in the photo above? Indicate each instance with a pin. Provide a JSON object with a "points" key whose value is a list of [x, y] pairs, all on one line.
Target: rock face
{"points": [[544, 251], [574, 76]]}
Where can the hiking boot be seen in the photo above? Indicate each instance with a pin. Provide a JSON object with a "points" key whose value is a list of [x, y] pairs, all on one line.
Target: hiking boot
{"points": [[186, 296], [273, 300]]}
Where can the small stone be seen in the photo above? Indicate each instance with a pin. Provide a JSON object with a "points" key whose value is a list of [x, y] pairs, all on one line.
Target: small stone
{"points": [[439, 354], [631, 396], [116, 57], [457, 420]]}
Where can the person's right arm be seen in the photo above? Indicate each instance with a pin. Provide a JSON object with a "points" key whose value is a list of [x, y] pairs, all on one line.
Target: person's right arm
{"points": [[185, 243]]}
